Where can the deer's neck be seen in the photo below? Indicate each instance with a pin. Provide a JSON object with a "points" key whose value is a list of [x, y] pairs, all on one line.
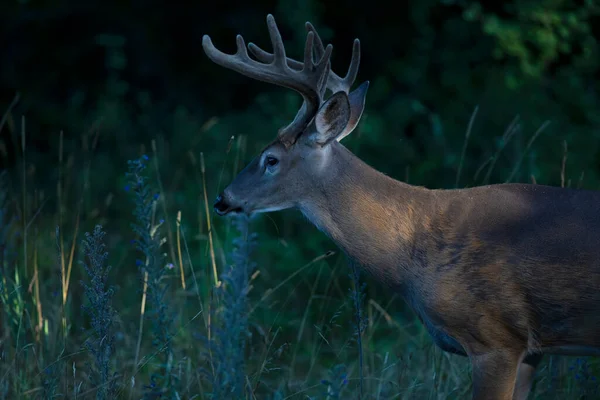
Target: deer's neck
{"points": [[371, 217]]}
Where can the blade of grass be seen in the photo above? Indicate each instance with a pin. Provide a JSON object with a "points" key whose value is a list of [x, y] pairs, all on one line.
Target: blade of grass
{"points": [[163, 200], [563, 165], [299, 270], [24, 165], [510, 131], [529, 144], [179, 258], [140, 330], [38, 302], [464, 149], [71, 256], [304, 318], [209, 226], [9, 109]]}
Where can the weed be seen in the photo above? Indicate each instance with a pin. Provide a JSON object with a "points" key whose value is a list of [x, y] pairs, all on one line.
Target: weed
{"points": [[100, 311]]}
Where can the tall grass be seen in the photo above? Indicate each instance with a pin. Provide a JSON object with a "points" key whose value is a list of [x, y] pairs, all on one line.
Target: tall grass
{"points": [[270, 326]]}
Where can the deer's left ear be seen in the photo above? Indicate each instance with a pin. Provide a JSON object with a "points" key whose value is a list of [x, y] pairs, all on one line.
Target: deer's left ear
{"points": [[331, 120], [357, 105]]}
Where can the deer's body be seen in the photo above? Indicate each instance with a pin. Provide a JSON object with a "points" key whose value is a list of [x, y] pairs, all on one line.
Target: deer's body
{"points": [[499, 273], [499, 265]]}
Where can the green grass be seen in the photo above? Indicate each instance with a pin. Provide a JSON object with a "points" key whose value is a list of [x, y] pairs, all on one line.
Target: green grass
{"points": [[194, 305]]}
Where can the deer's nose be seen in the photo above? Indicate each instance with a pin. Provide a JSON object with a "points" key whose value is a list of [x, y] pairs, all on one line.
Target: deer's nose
{"points": [[221, 207]]}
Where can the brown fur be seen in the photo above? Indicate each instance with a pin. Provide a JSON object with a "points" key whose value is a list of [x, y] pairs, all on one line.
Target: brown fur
{"points": [[495, 272]]}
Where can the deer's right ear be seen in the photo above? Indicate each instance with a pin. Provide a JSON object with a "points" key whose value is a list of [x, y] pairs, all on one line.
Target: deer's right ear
{"points": [[357, 105], [331, 120]]}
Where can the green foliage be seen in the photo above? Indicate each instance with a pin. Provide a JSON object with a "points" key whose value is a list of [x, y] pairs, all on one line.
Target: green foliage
{"points": [[535, 35]]}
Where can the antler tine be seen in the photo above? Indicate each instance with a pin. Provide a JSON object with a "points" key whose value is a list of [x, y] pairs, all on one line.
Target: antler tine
{"points": [[277, 42], [319, 48], [308, 78], [335, 83], [354, 65], [239, 62]]}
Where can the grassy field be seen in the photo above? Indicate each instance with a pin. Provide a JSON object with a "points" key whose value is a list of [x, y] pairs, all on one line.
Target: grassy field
{"points": [[118, 281]]}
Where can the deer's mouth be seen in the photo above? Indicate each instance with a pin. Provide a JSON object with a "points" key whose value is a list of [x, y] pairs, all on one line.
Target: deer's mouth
{"points": [[222, 207], [237, 210]]}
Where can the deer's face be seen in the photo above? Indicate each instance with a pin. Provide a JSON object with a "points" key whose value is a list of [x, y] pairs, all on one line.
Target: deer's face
{"points": [[283, 176], [276, 179], [285, 173]]}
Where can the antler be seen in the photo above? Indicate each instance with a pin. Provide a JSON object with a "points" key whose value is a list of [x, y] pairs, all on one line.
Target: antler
{"points": [[307, 78], [334, 82]]}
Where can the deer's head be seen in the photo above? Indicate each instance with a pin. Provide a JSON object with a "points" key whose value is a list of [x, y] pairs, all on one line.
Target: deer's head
{"points": [[284, 173]]}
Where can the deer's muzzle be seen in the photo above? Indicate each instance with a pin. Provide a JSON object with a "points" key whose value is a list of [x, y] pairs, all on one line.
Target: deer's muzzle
{"points": [[222, 206]]}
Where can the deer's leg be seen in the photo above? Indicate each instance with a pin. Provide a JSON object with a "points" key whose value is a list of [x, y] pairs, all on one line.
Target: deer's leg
{"points": [[495, 373], [525, 375]]}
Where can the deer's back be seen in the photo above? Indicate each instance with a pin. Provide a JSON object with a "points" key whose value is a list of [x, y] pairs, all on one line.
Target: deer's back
{"points": [[540, 224], [527, 255]]}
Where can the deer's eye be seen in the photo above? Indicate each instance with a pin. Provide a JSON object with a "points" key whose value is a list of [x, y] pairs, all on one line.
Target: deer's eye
{"points": [[271, 161]]}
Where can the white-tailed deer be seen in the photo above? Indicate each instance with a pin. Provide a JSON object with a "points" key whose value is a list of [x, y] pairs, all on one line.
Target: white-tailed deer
{"points": [[499, 273]]}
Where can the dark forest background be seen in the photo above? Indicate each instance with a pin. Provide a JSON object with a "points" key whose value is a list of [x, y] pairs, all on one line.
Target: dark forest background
{"points": [[86, 86]]}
